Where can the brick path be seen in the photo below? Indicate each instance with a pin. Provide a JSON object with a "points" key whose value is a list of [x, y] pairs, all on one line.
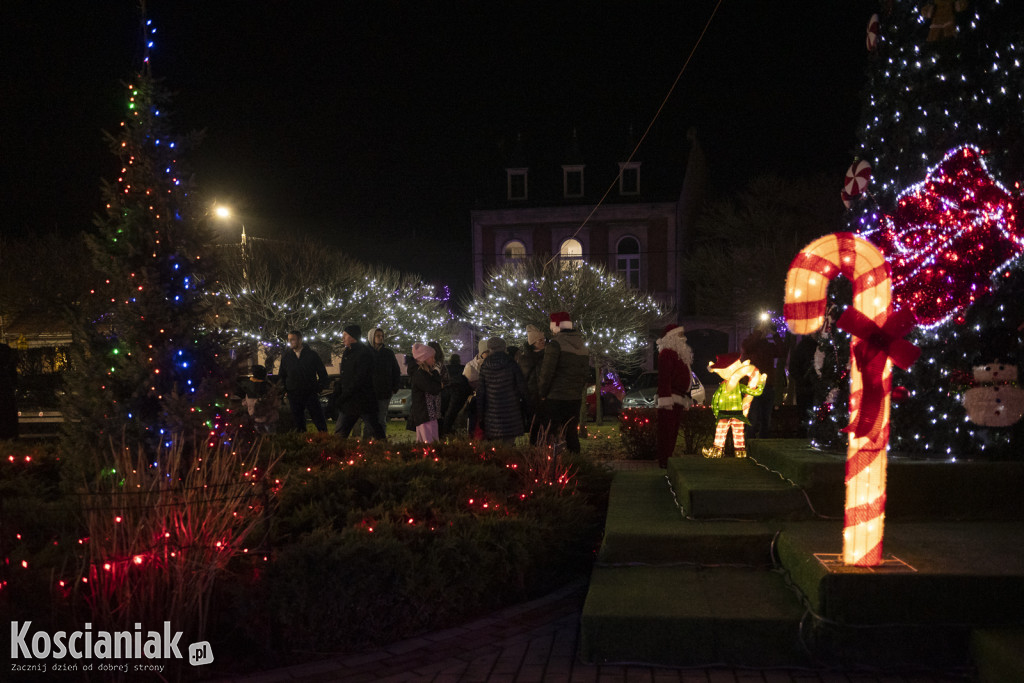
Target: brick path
{"points": [[537, 643]]}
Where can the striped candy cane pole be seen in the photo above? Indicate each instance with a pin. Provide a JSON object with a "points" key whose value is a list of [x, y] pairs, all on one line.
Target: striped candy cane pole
{"points": [[858, 260]]}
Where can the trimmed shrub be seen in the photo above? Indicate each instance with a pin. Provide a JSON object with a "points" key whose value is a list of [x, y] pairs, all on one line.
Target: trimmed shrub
{"points": [[698, 428], [639, 430], [405, 540]]}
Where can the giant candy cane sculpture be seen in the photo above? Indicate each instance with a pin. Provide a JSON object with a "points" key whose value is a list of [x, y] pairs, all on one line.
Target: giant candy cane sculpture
{"points": [[876, 343]]}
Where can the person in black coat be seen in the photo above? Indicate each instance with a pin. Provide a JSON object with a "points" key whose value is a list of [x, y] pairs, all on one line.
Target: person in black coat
{"points": [[261, 400], [303, 375], [353, 392], [386, 379], [425, 379], [500, 394], [446, 386], [530, 359], [454, 395], [801, 370]]}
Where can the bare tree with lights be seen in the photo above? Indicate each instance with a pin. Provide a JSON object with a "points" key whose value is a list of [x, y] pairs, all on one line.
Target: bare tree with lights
{"points": [[615, 319], [283, 286]]}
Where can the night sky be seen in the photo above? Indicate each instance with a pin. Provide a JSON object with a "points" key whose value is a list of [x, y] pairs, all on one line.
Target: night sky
{"points": [[374, 124]]}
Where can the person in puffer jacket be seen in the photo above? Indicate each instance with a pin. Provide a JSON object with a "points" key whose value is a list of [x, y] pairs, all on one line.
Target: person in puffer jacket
{"points": [[563, 375], [501, 394]]}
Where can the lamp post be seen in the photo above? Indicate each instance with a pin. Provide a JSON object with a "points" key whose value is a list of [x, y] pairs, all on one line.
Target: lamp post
{"points": [[224, 213]]}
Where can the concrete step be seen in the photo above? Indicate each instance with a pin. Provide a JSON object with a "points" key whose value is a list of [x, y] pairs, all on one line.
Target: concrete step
{"points": [[735, 489], [915, 489], [670, 590], [645, 526], [999, 654], [940, 572], [687, 616]]}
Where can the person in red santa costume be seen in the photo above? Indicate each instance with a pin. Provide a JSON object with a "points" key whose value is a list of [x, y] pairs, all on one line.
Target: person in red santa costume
{"points": [[674, 360]]}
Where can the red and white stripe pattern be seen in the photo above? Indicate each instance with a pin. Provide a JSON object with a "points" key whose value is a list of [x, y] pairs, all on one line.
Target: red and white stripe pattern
{"points": [[856, 181], [850, 255], [873, 29], [722, 433]]}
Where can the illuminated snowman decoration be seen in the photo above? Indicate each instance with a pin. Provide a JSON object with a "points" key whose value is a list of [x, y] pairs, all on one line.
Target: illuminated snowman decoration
{"points": [[997, 401]]}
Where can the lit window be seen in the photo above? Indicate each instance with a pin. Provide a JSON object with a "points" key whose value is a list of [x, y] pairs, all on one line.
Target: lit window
{"points": [[572, 181], [515, 250], [517, 186], [627, 261], [629, 177], [571, 253]]}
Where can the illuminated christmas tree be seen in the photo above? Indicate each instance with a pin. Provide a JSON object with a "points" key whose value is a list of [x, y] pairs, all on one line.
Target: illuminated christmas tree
{"points": [[148, 361], [936, 185]]}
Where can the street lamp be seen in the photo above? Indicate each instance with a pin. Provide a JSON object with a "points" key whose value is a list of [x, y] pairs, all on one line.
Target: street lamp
{"points": [[224, 213]]}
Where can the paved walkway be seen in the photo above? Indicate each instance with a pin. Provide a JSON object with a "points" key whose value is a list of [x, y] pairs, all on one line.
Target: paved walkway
{"points": [[536, 642]]}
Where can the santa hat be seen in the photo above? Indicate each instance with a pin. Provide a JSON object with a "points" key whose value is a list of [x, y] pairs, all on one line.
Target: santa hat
{"points": [[533, 335], [675, 330], [422, 353], [723, 360], [560, 321]]}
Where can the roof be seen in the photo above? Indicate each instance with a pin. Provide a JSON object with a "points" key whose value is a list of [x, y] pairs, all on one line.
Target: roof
{"points": [[662, 168]]}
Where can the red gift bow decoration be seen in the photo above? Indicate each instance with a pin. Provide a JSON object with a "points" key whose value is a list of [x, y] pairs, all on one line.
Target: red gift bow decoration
{"points": [[872, 347], [949, 236]]}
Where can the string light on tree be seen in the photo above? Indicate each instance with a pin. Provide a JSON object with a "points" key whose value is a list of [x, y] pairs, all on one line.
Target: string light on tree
{"points": [[615, 319], [272, 297], [936, 208], [148, 319]]}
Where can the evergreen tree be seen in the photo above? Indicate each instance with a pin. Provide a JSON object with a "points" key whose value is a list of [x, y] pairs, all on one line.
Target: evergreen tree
{"points": [[147, 361], [943, 131]]}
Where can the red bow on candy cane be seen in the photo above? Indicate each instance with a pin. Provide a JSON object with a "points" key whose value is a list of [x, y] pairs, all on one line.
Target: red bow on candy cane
{"points": [[872, 346]]}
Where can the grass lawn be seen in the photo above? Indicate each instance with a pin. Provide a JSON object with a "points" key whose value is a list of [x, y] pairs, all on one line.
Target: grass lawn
{"points": [[602, 441]]}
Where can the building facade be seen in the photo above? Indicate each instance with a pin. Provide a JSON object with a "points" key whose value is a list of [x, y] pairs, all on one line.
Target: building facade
{"points": [[623, 212], [629, 214]]}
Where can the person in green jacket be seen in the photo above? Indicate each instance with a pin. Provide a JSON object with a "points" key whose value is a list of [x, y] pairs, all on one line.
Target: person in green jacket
{"points": [[564, 372]]}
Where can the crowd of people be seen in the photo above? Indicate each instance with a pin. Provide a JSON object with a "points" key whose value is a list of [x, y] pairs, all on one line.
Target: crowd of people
{"points": [[503, 392], [506, 391]]}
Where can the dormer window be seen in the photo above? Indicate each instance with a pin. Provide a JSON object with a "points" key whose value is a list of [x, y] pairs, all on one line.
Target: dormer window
{"points": [[572, 181], [517, 186], [629, 178]]}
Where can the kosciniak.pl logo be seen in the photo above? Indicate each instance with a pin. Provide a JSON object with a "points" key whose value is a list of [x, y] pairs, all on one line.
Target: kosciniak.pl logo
{"points": [[32, 648]]}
